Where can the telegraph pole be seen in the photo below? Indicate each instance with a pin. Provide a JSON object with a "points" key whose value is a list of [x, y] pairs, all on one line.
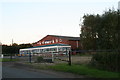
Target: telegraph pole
{"points": [[11, 52], [118, 25]]}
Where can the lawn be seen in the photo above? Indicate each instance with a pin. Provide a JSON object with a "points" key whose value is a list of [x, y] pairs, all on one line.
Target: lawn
{"points": [[84, 70]]}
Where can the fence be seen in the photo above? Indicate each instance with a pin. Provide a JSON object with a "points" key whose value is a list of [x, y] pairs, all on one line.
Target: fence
{"points": [[53, 56]]}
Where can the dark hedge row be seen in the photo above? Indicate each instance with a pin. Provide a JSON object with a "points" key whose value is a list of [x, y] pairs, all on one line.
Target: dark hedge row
{"points": [[39, 59], [107, 60]]}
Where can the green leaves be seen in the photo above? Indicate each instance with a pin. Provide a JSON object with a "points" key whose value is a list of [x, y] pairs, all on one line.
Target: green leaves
{"points": [[101, 32], [13, 49], [107, 60]]}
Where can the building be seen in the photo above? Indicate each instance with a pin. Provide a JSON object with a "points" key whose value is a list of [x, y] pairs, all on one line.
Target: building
{"points": [[74, 42], [53, 44]]}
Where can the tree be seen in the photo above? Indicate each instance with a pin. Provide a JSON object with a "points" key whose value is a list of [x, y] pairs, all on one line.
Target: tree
{"points": [[101, 32], [14, 49]]}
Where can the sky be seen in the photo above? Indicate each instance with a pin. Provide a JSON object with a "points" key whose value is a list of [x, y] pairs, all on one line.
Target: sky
{"points": [[27, 21]]}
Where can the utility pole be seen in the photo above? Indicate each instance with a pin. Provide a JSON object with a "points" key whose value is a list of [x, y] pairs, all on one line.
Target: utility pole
{"points": [[118, 25], [11, 47]]}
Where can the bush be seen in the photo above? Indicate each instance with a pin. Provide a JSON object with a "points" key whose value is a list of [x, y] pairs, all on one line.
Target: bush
{"points": [[40, 59], [107, 61]]}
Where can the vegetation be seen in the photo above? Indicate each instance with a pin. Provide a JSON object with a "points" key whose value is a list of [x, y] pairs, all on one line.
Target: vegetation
{"points": [[13, 49], [83, 54], [84, 70], [40, 59], [7, 60], [101, 32], [108, 61]]}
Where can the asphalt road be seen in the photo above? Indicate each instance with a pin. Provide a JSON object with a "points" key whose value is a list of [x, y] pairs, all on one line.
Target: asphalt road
{"points": [[11, 72]]}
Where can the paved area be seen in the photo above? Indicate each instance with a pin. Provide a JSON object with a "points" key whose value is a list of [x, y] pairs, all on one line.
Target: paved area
{"points": [[15, 70], [12, 71]]}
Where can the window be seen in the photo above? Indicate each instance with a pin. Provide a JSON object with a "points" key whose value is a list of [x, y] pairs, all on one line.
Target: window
{"points": [[59, 49], [42, 42], [56, 40], [60, 40], [47, 41], [39, 42], [53, 41]]}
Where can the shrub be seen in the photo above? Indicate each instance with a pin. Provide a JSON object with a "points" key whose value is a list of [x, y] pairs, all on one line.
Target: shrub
{"points": [[40, 59], [107, 61]]}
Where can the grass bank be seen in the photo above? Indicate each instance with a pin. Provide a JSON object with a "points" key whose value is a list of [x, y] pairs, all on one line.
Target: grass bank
{"points": [[78, 69], [84, 70], [7, 60]]}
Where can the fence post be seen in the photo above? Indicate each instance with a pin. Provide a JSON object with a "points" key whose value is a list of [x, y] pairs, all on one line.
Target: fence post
{"points": [[11, 56], [29, 57], [52, 57], [69, 62]]}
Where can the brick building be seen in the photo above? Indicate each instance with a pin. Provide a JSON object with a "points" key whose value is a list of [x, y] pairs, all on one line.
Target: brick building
{"points": [[74, 42], [53, 44]]}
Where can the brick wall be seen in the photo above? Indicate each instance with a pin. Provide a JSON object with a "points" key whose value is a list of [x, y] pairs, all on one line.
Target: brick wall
{"points": [[74, 44], [54, 40], [50, 40]]}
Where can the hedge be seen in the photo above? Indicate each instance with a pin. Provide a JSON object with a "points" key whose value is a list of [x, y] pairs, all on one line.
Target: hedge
{"points": [[40, 59], [106, 60]]}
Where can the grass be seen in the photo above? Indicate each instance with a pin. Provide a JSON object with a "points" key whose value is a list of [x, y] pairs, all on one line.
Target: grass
{"points": [[85, 70], [79, 69], [7, 60]]}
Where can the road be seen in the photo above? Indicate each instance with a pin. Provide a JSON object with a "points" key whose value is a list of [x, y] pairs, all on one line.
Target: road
{"points": [[20, 72], [12, 72], [9, 72]]}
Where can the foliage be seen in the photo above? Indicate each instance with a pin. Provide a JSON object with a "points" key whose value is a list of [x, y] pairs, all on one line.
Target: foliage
{"points": [[101, 32], [107, 60], [40, 59], [13, 49]]}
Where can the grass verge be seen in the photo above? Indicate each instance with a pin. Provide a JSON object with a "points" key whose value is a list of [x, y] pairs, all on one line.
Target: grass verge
{"points": [[7, 59], [85, 70]]}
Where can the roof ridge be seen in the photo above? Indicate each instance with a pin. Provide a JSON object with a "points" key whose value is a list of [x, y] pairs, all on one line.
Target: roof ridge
{"points": [[62, 36]]}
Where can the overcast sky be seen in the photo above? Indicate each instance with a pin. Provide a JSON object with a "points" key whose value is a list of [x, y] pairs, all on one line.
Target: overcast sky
{"points": [[27, 21]]}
